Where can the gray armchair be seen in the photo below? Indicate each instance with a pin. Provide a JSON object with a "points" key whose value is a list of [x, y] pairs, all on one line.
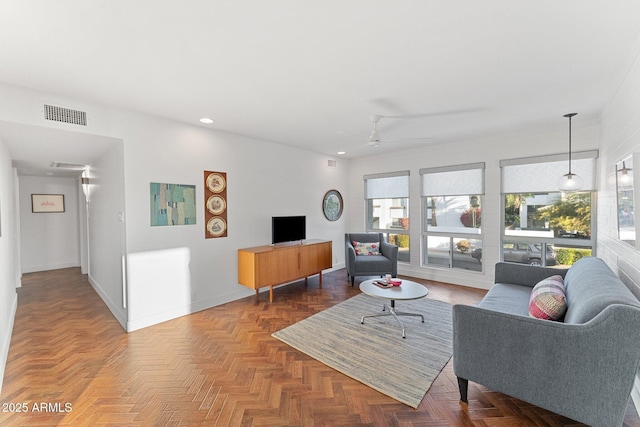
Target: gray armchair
{"points": [[370, 265]]}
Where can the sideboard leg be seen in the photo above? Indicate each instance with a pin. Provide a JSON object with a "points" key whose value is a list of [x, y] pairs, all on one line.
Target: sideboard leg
{"points": [[271, 293], [320, 279]]}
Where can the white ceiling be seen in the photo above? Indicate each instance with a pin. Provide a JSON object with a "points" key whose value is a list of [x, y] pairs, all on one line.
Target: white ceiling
{"points": [[40, 151], [305, 72]]}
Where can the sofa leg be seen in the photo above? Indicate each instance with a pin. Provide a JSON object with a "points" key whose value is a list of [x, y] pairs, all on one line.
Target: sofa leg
{"points": [[463, 385]]}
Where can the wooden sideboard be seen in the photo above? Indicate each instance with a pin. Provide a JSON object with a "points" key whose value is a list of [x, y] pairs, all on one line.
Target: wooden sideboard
{"points": [[275, 265]]}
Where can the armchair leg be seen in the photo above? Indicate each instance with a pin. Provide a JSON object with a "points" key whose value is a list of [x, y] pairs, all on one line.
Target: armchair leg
{"points": [[463, 385], [353, 280]]}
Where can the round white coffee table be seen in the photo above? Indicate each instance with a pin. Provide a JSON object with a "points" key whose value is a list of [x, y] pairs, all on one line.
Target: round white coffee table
{"points": [[408, 290]]}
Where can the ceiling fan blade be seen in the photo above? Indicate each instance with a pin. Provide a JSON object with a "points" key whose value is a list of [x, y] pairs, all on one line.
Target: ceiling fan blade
{"points": [[407, 139], [350, 135], [436, 113]]}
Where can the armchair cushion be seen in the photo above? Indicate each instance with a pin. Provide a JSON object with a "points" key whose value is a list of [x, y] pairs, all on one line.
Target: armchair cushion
{"points": [[366, 248]]}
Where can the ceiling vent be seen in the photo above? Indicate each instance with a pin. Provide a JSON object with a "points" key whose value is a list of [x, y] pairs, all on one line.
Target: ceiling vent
{"points": [[65, 115], [62, 165]]}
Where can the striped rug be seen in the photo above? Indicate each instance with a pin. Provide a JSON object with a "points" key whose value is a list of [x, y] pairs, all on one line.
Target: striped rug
{"points": [[375, 353]]}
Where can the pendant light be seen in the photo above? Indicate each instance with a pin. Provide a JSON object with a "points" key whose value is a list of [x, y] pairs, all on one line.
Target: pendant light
{"points": [[570, 181]]}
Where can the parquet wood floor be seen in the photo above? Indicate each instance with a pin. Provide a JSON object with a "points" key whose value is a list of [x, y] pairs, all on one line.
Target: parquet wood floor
{"points": [[70, 363]]}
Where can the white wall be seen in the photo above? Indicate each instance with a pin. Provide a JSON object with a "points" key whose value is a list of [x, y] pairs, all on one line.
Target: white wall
{"points": [[264, 179], [49, 240], [528, 142], [620, 137], [9, 273], [106, 231]]}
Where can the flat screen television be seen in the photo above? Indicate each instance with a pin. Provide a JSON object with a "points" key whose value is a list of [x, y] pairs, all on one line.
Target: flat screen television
{"points": [[288, 229]]}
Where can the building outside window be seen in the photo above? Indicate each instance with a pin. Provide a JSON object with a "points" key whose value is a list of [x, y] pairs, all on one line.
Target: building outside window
{"points": [[387, 208], [541, 225], [452, 216]]}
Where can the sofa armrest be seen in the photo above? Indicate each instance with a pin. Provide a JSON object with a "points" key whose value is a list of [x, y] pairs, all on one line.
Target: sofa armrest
{"points": [[583, 371], [523, 274]]}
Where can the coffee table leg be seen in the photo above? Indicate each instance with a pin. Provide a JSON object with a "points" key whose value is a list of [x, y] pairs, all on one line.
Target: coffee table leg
{"points": [[395, 314]]}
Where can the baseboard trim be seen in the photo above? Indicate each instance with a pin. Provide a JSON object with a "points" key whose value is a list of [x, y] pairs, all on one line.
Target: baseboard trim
{"points": [[200, 305], [174, 313], [6, 341], [37, 268], [447, 275], [120, 316]]}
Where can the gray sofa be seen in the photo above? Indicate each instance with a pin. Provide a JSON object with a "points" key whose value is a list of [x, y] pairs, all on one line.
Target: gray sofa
{"points": [[582, 367], [359, 265]]}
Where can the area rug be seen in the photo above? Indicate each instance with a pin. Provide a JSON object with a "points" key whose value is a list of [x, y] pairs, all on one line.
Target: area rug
{"points": [[375, 353]]}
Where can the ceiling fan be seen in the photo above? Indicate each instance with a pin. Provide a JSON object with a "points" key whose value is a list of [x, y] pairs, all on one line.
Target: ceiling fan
{"points": [[374, 139]]}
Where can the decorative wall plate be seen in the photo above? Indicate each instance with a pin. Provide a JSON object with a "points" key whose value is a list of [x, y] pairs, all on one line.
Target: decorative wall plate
{"points": [[216, 226], [216, 183], [216, 205], [332, 205]]}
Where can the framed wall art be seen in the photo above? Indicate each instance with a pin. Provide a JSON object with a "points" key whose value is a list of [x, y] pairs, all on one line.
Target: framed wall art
{"points": [[172, 204], [215, 204], [47, 203]]}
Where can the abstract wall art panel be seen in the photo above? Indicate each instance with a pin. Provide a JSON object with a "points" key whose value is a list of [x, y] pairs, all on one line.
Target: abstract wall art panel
{"points": [[172, 204]]}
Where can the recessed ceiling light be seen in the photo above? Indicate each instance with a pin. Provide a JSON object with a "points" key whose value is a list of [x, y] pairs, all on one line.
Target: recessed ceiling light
{"points": [[342, 152], [206, 120]]}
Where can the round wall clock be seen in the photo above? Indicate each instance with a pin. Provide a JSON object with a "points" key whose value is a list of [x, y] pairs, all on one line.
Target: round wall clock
{"points": [[332, 205]]}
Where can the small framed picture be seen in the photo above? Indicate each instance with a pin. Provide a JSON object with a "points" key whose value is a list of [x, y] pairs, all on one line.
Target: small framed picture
{"points": [[47, 203]]}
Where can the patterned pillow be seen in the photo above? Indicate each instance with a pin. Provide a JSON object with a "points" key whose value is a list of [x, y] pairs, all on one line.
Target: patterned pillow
{"points": [[367, 248], [547, 299]]}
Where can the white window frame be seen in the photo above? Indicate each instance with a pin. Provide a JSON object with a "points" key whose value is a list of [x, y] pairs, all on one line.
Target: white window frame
{"points": [[450, 181], [375, 188], [538, 175]]}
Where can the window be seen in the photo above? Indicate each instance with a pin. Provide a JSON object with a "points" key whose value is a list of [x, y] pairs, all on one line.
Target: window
{"points": [[452, 216], [387, 206], [542, 226]]}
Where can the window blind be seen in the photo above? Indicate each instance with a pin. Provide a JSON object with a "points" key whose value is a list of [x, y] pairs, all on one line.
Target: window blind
{"points": [[541, 174], [392, 185], [457, 180]]}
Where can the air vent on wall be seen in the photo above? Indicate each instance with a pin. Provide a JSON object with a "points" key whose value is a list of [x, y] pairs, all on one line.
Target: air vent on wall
{"points": [[65, 115]]}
